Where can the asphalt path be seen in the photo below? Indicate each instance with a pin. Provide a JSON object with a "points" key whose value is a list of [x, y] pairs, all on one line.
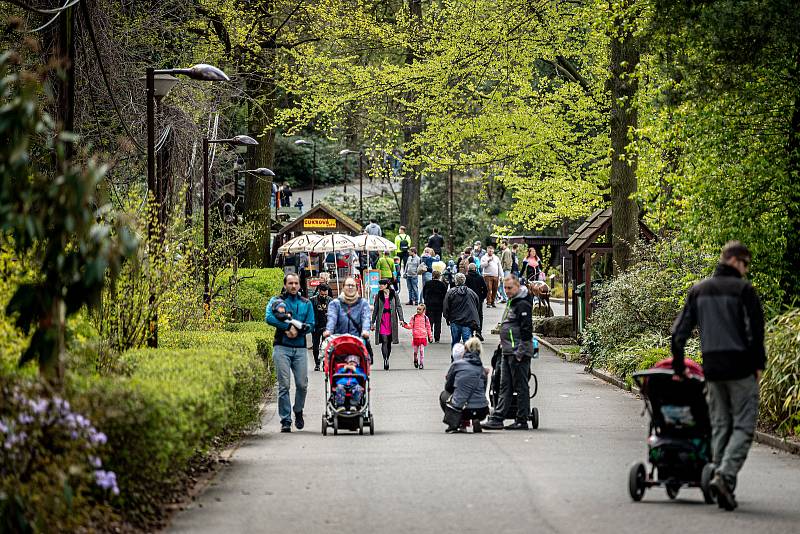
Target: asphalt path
{"points": [[569, 476]]}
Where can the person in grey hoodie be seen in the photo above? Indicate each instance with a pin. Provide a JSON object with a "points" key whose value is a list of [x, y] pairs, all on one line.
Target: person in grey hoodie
{"points": [[412, 276], [465, 387]]}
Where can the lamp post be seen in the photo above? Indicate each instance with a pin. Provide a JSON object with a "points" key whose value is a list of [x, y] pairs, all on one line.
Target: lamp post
{"points": [[303, 142], [346, 152], [159, 82], [264, 172], [238, 140]]}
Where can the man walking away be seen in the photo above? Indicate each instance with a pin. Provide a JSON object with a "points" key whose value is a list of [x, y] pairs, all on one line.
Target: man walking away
{"points": [[728, 312], [373, 229], [320, 304], [516, 342], [433, 294], [460, 310], [476, 283], [412, 276], [289, 348], [436, 242], [402, 242], [490, 266]]}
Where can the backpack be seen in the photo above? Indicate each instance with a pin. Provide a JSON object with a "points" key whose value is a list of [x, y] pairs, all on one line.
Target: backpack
{"points": [[404, 244]]}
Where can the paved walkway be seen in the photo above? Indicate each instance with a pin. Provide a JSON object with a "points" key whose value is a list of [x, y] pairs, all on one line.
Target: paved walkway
{"points": [[570, 476]]}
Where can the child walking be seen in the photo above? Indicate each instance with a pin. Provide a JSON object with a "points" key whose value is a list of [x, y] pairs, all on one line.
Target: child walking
{"points": [[420, 327]]}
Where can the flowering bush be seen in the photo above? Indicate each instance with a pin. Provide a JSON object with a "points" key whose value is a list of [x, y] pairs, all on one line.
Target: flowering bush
{"points": [[51, 473]]}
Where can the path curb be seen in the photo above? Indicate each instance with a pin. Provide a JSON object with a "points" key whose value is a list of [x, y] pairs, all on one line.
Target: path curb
{"points": [[764, 438], [552, 347]]}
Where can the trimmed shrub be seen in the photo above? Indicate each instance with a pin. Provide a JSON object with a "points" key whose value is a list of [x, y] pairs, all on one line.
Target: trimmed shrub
{"points": [[255, 288], [171, 405], [780, 385]]}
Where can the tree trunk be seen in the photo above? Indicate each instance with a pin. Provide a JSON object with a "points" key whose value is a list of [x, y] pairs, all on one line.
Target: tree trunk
{"points": [[261, 125], [409, 208], [790, 278], [624, 119]]}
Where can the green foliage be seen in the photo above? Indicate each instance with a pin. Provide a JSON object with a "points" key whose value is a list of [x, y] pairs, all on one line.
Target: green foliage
{"points": [[171, 405], [294, 164], [633, 314], [53, 214], [253, 289], [780, 384]]}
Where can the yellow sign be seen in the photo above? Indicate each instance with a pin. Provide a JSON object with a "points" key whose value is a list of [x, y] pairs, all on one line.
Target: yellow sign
{"points": [[319, 223]]}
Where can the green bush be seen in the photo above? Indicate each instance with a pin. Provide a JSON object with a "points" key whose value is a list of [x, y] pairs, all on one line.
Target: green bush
{"points": [[780, 386], [255, 288], [171, 405]]}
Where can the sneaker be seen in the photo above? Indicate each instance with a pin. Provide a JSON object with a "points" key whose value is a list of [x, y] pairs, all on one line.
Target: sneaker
{"points": [[316, 367], [518, 425], [725, 498], [298, 420], [476, 427], [416, 363], [421, 365], [286, 427], [493, 424], [340, 409], [452, 430]]}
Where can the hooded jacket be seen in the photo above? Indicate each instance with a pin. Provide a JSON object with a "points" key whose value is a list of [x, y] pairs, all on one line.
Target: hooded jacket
{"points": [[301, 309], [461, 306], [728, 312], [467, 382], [476, 283], [516, 327]]}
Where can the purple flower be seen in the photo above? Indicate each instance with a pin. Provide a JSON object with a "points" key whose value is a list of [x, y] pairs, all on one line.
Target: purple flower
{"points": [[97, 438], [38, 406], [95, 462], [3, 427], [107, 480], [25, 419]]}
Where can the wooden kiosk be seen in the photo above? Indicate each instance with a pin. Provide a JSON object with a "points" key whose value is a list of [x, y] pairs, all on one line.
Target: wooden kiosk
{"points": [[580, 246]]}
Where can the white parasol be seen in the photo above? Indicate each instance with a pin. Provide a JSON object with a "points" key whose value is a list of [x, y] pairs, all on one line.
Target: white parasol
{"points": [[373, 243], [299, 244], [332, 243]]}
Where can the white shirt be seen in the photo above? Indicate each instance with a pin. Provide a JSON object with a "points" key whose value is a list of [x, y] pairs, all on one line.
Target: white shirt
{"points": [[490, 265]]}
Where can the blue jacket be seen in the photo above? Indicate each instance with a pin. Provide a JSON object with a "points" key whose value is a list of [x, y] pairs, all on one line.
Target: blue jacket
{"points": [[351, 381], [338, 323], [301, 309]]}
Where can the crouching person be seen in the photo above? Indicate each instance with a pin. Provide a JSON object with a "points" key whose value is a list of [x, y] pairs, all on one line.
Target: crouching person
{"points": [[464, 396]]}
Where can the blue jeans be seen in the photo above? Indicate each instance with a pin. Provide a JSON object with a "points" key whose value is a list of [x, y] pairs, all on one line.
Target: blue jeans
{"points": [[459, 333], [412, 289], [290, 360], [500, 289]]}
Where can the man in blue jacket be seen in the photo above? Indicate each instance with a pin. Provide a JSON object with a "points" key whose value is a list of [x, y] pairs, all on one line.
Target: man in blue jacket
{"points": [[285, 313]]}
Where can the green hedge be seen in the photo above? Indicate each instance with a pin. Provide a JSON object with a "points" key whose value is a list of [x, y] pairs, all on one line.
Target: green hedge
{"points": [[780, 385], [255, 289], [174, 402]]}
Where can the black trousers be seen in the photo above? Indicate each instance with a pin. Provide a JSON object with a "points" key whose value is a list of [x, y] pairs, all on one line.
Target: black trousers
{"points": [[316, 341], [480, 317], [403, 259], [435, 317], [513, 379], [386, 346], [468, 414]]}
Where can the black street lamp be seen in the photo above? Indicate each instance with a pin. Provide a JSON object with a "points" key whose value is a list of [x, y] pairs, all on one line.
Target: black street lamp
{"points": [[238, 140], [346, 152], [158, 83], [303, 142]]}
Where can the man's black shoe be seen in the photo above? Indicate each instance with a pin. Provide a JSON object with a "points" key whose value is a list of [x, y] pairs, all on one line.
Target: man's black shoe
{"points": [[519, 425], [299, 422], [493, 424], [286, 427], [725, 498], [316, 367]]}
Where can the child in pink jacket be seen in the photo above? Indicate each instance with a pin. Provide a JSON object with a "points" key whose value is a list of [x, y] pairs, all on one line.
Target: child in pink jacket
{"points": [[420, 327]]}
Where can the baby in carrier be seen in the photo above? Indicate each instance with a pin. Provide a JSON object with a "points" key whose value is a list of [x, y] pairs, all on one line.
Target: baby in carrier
{"points": [[349, 384]]}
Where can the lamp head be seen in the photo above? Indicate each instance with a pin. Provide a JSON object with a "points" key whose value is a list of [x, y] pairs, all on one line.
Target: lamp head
{"points": [[206, 73], [243, 140], [346, 151], [262, 171], [303, 142]]}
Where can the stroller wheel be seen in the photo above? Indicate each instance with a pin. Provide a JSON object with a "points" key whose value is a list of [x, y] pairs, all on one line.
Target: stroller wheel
{"points": [[535, 418], [371, 426], [636, 481], [335, 425], [672, 490], [324, 426], [705, 483], [361, 426]]}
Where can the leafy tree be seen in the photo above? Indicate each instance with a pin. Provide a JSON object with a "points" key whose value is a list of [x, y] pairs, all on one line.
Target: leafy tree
{"points": [[53, 216]]}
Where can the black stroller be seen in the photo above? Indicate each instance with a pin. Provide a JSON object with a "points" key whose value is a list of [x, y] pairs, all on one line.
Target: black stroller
{"points": [[494, 386], [679, 440]]}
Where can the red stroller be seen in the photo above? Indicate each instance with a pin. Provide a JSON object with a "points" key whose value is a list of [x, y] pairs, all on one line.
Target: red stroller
{"points": [[352, 415]]}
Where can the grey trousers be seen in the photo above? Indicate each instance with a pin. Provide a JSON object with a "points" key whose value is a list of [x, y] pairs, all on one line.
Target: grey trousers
{"points": [[733, 407]]}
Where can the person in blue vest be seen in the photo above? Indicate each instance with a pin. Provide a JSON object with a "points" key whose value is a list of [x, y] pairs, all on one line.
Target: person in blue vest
{"points": [[292, 315]]}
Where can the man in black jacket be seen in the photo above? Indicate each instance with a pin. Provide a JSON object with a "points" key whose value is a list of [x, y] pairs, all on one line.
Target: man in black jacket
{"points": [[516, 342], [433, 294], [728, 312], [460, 310], [320, 304], [477, 284]]}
